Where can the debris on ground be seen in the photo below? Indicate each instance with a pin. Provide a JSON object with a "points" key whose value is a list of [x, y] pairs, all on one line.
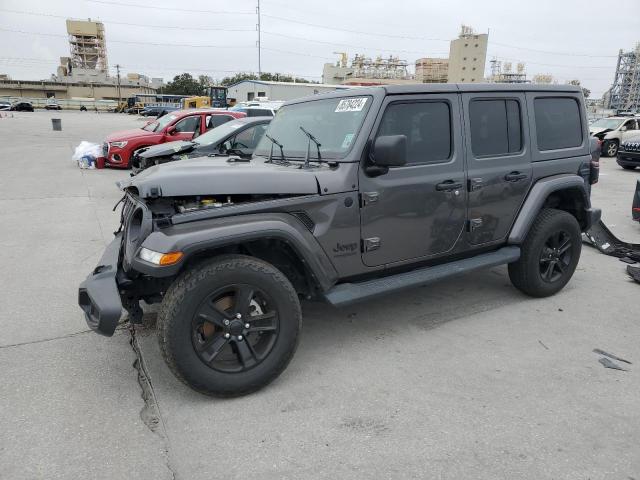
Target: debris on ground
{"points": [[609, 364], [610, 355], [540, 342], [606, 242], [634, 272], [86, 154]]}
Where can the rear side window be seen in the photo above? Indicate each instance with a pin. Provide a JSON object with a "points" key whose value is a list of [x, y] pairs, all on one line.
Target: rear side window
{"points": [[558, 123], [496, 128], [426, 125]]}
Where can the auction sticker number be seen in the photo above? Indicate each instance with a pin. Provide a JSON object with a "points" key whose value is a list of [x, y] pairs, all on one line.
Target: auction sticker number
{"points": [[351, 104]]}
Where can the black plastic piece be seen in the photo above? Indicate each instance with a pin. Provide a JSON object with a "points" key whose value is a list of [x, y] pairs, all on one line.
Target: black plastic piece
{"points": [[98, 295]]}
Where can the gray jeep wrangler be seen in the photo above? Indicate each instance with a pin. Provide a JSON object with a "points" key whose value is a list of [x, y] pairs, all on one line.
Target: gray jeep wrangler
{"points": [[349, 195]]}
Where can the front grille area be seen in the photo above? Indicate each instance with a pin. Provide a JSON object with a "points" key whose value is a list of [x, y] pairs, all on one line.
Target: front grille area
{"points": [[105, 149], [630, 147], [136, 225]]}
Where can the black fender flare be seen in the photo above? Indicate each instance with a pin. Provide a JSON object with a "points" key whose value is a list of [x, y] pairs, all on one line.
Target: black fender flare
{"points": [[538, 195], [194, 237]]}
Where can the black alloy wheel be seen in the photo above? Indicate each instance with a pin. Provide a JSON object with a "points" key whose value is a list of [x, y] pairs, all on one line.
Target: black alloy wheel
{"points": [[555, 256]]}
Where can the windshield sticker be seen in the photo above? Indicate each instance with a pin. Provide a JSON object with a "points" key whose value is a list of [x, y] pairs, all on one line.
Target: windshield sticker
{"points": [[351, 104], [348, 138]]}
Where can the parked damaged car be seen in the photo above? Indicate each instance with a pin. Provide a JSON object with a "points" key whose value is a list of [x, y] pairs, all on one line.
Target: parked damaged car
{"points": [[120, 147], [613, 132], [350, 195], [629, 153], [237, 137]]}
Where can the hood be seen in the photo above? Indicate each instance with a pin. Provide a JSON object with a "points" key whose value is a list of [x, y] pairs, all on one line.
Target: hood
{"points": [[217, 176], [128, 135], [594, 130], [168, 149]]}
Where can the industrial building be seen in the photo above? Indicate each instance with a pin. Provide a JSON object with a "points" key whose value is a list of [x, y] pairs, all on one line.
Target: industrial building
{"points": [[248, 90], [467, 57], [432, 70], [84, 74], [624, 94], [367, 71]]}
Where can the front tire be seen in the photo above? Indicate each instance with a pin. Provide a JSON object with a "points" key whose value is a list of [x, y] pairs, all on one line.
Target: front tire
{"points": [[229, 326], [610, 148], [550, 254]]}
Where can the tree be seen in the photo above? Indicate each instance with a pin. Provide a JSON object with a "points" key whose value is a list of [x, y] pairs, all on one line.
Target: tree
{"points": [[265, 76], [185, 84], [585, 91]]}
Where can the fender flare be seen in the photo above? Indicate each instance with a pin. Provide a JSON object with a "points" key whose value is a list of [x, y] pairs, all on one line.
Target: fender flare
{"points": [[194, 237], [538, 195]]}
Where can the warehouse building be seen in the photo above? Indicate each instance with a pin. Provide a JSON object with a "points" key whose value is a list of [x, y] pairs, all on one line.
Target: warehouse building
{"points": [[248, 90]]}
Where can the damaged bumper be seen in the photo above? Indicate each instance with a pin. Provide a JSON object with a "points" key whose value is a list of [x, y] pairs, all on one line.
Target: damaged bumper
{"points": [[98, 295]]}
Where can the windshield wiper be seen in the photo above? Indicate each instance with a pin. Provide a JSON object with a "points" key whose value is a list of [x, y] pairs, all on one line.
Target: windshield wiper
{"points": [[276, 142], [314, 140]]}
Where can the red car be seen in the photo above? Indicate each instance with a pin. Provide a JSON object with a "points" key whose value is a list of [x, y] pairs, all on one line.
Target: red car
{"points": [[120, 147]]}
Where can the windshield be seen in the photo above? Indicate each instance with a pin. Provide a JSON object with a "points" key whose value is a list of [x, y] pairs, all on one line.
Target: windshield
{"points": [[219, 133], [611, 123], [335, 122], [159, 124]]}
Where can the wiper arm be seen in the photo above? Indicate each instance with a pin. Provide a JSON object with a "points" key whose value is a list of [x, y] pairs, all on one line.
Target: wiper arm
{"points": [[275, 142], [311, 139]]}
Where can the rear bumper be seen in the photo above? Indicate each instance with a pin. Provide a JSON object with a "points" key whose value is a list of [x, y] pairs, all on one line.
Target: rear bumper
{"points": [[98, 295]]}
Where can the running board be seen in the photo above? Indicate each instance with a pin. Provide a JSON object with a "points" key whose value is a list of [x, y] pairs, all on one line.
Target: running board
{"points": [[348, 293]]}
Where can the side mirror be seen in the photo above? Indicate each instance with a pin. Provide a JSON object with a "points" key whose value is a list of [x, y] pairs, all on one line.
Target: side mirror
{"points": [[390, 151], [171, 130]]}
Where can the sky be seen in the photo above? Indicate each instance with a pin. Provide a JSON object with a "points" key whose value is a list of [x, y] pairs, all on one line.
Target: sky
{"points": [[569, 39]]}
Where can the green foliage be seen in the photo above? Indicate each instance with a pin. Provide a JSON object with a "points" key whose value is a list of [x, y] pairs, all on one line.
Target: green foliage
{"points": [[266, 76], [585, 91], [186, 84]]}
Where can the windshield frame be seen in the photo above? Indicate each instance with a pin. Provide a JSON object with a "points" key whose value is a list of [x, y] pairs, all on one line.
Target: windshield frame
{"points": [[238, 127], [159, 126], [331, 157], [618, 124]]}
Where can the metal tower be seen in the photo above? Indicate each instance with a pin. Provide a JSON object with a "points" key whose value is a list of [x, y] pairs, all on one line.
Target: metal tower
{"points": [[88, 45], [625, 92]]}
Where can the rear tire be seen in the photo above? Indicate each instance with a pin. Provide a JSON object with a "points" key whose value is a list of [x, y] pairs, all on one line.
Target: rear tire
{"points": [[550, 254], [229, 326]]}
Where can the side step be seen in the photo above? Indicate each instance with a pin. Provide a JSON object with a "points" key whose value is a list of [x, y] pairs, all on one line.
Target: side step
{"points": [[348, 293]]}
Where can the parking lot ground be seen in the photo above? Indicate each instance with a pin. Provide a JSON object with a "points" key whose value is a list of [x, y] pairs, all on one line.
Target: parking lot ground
{"points": [[463, 379]]}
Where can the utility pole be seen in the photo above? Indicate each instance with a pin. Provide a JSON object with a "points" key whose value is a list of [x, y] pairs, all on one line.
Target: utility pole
{"points": [[119, 93], [259, 42]]}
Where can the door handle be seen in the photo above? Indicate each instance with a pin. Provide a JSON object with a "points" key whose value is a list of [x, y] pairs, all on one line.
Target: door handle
{"points": [[515, 176], [448, 186]]}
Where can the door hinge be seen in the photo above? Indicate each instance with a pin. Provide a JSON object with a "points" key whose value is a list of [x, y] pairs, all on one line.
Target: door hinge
{"points": [[474, 184], [370, 244], [473, 224], [367, 198]]}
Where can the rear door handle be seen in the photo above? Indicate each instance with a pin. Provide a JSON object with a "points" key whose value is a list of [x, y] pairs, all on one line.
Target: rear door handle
{"points": [[448, 186], [515, 176]]}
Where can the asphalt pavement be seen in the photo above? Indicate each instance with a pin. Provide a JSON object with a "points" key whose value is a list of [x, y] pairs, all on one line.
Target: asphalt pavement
{"points": [[465, 379]]}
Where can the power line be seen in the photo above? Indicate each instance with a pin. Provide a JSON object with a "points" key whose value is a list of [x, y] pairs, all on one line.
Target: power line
{"points": [[222, 29], [351, 46], [155, 7], [129, 42]]}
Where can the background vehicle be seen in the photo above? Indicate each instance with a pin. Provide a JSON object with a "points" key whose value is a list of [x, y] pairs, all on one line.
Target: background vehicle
{"points": [[138, 103], [629, 153], [349, 196], [22, 107], [4, 105], [52, 105], [237, 137], [257, 109], [196, 102], [613, 131], [120, 147]]}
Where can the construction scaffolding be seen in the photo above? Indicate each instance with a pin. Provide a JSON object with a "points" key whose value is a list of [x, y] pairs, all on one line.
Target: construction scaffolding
{"points": [[432, 70], [624, 95], [391, 68], [88, 45], [502, 72]]}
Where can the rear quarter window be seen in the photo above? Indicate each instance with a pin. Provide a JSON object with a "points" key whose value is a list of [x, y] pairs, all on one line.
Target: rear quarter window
{"points": [[558, 123]]}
